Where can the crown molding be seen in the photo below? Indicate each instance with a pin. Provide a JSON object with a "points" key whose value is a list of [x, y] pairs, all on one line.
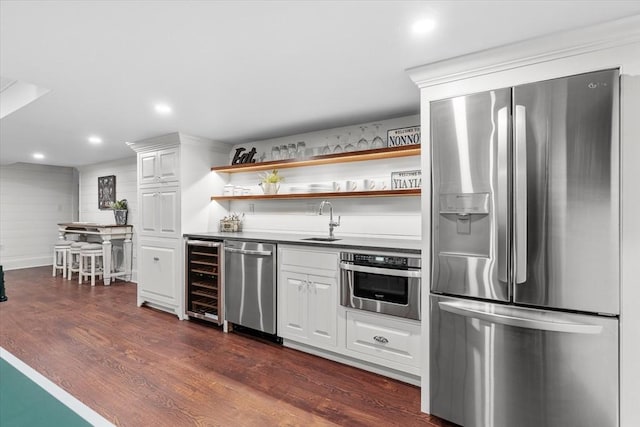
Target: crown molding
{"points": [[552, 47], [175, 139], [156, 143]]}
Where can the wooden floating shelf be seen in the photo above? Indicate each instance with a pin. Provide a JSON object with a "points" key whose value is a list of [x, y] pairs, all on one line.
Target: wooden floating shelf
{"points": [[332, 195], [353, 156]]}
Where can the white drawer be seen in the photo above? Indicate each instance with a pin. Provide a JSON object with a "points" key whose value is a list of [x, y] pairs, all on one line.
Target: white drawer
{"points": [[309, 258], [384, 337]]}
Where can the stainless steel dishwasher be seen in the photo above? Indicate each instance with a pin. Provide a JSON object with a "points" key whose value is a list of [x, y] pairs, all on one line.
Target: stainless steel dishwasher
{"points": [[250, 285]]}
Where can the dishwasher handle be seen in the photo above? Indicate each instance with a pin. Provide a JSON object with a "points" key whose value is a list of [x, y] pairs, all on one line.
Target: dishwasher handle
{"points": [[248, 252]]}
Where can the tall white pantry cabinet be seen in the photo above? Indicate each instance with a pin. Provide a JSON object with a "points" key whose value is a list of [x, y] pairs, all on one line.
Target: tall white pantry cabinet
{"points": [[175, 184]]}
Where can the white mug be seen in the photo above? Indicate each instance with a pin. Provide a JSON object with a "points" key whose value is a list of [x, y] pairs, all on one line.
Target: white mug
{"points": [[336, 186], [382, 185], [351, 186], [368, 184]]}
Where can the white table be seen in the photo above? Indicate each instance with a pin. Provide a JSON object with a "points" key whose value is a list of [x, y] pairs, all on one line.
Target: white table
{"points": [[105, 233]]}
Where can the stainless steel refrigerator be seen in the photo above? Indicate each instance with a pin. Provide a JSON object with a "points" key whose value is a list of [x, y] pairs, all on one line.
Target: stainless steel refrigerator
{"points": [[525, 282]]}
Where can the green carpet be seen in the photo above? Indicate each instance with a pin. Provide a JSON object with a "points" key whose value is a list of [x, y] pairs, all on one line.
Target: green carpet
{"points": [[24, 403]]}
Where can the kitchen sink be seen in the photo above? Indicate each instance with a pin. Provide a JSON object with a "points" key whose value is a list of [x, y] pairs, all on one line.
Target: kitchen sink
{"points": [[321, 239]]}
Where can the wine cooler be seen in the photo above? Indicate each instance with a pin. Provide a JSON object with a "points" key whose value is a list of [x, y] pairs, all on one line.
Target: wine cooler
{"points": [[204, 294]]}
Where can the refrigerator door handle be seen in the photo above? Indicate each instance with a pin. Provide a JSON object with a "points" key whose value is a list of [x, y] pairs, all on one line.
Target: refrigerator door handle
{"points": [[520, 194], [503, 195], [517, 317]]}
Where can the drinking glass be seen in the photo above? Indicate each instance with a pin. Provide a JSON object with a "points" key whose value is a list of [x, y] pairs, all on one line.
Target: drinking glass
{"points": [[377, 140], [292, 150], [326, 149], [338, 147], [362, 144], [300, 149], [349, 147], [275, 153], [284, 152]]}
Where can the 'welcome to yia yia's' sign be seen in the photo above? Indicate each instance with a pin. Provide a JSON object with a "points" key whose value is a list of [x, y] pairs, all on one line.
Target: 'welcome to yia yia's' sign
{"points": [[403, 136], [405, 180]]}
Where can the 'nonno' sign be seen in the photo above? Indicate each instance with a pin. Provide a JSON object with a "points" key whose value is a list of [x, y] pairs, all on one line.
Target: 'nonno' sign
{"points": [[406, 180], [403, 136]]}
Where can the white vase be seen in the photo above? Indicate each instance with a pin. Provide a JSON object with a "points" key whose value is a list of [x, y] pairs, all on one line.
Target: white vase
{"points": [[270, 187]]}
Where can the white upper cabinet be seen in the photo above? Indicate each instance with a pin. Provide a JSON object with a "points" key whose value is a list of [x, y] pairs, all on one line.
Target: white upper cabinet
{"points": [[159, 167], [160, 211]]}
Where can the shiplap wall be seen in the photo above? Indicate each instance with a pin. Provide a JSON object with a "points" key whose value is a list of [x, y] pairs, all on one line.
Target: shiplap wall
{"points": [[394, 217], [125, 171], [33, 200]]}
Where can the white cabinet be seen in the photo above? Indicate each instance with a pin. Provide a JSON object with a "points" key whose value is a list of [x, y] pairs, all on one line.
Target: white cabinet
{"points": [[169, 166], [392, 342], [159, 262], [159, 166], [308, 296], [309, 308], [311, 319], [160, 211]]}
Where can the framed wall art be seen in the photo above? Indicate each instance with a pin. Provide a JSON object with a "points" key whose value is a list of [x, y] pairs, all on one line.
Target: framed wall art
{"points": [[106, 191]]}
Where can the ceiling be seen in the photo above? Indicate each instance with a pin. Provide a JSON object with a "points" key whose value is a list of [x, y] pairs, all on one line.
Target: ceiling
{"points": [[237, 71]]}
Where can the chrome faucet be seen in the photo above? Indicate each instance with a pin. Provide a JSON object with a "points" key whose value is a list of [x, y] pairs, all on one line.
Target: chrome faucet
{"points": [[332, 223]]}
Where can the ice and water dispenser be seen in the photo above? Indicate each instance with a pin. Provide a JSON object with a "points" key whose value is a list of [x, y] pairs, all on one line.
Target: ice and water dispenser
{"points": [[464, 255], [464, 224]]}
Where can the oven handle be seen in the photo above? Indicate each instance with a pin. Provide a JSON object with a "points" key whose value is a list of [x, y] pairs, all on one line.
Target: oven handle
{"points": [[382, 271]]}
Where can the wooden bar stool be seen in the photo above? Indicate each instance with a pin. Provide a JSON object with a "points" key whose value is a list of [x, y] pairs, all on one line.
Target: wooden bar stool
{"points": [[60, 251], [91, 262], [73, 262]]}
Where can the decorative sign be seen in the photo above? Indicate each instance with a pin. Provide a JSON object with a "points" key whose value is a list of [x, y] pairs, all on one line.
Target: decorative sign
{"points": [[241, 158], [406, 180], [403, 136], [106, 191]]}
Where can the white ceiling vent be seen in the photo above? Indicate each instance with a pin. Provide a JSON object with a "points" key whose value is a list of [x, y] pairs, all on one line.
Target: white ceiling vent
{"points": [[15, 94]]}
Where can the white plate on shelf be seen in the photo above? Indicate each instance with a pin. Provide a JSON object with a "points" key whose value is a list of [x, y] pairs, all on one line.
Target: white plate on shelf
{"points": [[298, 189]]}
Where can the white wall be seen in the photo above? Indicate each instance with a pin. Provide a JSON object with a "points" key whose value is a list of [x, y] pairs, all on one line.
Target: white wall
{"points": [[125, 171], [397, 217], [198, 183], [33, 200]]}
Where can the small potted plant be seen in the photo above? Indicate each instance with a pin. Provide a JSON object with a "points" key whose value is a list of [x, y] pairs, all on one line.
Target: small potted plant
{"points": [[120, 210], [270, 182]]}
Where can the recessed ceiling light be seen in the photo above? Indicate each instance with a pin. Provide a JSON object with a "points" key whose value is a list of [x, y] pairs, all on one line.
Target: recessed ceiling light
{"points": [[95, 140], [423, 26], [38, 156], [162, 109]]}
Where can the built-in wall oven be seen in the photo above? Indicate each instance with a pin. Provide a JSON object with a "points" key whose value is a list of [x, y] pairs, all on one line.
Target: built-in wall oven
{"points": [[382, 283]]}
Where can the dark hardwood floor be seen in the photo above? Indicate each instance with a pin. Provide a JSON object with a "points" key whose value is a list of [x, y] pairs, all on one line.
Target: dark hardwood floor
{"points": [[143, 367]]}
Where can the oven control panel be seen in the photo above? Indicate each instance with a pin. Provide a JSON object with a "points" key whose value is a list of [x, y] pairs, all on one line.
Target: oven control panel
{"points": [[382, 261]]}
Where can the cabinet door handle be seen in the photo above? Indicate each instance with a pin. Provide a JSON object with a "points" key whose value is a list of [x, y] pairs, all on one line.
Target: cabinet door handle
{"points": [[380, 339], [155, 258]]}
